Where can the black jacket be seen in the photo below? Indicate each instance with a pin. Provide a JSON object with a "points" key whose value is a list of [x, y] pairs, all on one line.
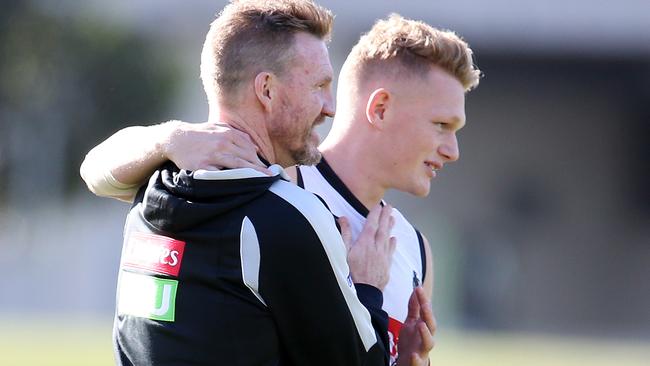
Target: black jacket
{"points": [[239, 268]]}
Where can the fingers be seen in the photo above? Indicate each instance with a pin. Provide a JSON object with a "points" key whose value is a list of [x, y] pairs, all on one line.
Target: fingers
{"points": [[385, 224], [219, 126], [212, 146], [225, 160], [416, 360], [420, 357], [419, 327], [242, 139], [211, 167], [261, 169], [346, 232], [233, 156], [414, 305], [245, 150], [236, 162], [237, 149], [379, 224], [426, 338], [426, 312], [391, 246], [372, 222]]}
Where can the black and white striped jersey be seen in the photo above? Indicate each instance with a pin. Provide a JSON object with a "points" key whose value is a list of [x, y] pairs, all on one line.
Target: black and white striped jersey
{"points": [[409, 264], [238, 268]]}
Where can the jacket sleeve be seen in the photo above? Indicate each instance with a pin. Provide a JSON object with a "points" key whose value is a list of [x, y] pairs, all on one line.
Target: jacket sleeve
{"points": [[304, 281], [372, 299]]}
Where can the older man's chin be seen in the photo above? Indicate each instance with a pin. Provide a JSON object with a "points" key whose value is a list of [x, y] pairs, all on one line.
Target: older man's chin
{"points": [[308, 156]]}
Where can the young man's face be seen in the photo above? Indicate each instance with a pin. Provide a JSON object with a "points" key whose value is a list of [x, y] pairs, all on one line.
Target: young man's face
{"points": [[421, 135], [305, 96]]}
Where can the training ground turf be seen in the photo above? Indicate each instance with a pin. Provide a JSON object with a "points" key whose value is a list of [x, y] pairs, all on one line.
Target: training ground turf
{"points": [[88, 343]]}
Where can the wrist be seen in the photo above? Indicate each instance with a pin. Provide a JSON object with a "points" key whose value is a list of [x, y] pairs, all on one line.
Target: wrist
{"points": [[166, 133]]}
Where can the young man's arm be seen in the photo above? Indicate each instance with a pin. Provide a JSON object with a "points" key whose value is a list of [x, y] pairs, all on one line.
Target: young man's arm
{"points": [[120, 165]]}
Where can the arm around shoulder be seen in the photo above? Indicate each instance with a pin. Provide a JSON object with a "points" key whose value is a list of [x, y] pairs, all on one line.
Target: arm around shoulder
{"points": [[118, 166]]}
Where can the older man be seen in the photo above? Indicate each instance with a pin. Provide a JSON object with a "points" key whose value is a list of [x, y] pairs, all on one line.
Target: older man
{"points": [[239, 267]]}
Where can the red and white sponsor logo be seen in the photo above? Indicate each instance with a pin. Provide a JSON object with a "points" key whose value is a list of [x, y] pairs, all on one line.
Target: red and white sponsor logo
{"points": [[394, 327], [154, 253]]}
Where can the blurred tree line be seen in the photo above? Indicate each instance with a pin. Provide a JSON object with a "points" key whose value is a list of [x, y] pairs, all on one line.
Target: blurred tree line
{"points": [[66, 83]]}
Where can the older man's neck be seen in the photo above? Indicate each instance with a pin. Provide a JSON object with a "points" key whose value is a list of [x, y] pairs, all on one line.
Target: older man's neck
{"points": [[254, 126]]}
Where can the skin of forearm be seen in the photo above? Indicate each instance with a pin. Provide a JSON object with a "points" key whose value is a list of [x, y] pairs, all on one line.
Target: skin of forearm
{"points": [[132, 153]]}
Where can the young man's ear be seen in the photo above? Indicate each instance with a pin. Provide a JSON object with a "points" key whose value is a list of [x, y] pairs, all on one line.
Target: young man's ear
{"points": [[264, 89], [378, 103]]}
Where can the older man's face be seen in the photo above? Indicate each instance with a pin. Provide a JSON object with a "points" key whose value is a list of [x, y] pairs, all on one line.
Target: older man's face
{"points": [[306, 99]]}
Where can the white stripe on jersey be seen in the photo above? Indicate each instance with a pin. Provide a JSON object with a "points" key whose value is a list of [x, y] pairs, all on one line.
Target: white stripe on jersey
{"points": [[249, 252]]}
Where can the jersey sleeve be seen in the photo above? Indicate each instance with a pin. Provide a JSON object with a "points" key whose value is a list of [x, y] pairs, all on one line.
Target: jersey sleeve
{"points": [[304, 281]]}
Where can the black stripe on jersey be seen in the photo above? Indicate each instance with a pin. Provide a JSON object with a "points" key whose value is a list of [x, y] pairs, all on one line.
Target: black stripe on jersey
{"points": [[324, 204], [299, 180], [336, 182], [423, 255], [336, 218]]}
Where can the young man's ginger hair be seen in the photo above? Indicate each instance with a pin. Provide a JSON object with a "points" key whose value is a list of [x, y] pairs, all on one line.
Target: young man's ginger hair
{"points": [[414, 46], [252, 36]]}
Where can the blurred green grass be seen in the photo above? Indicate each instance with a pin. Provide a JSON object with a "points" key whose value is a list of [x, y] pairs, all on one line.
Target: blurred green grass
{"points": [[75, 342], [463, 348], [49, 342]]}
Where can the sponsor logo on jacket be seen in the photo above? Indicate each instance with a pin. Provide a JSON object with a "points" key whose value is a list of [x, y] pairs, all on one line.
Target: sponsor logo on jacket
{"points": [[147, 296], [155, 253]]}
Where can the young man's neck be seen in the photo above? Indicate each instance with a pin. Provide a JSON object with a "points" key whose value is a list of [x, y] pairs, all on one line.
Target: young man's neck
{"points": [[352, 165]]}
